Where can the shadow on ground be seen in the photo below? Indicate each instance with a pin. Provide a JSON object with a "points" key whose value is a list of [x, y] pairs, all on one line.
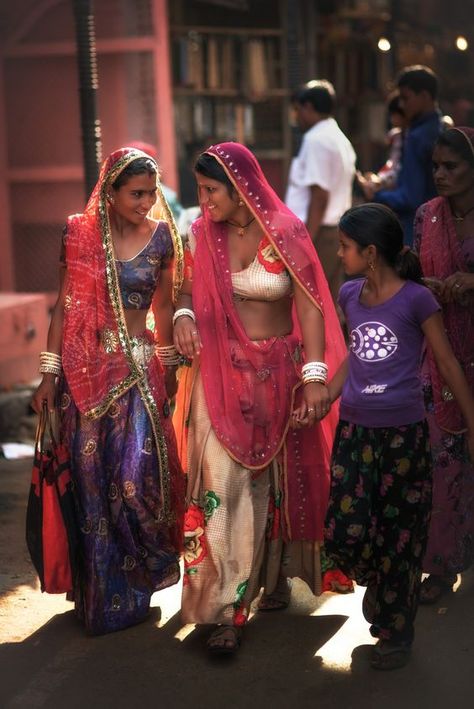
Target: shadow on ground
{"points": [[58, 665]]}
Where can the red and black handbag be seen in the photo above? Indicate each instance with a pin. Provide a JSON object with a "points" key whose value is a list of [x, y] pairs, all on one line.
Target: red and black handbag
{"points": [[51, 529]]}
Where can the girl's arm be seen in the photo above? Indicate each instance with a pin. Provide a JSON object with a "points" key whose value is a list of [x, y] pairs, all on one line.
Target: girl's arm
{"points": [[336, 383], [451, 371], [316, 403], [46, 390]]}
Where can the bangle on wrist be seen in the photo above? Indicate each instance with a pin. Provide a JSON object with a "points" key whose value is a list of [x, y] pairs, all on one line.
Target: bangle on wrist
{"points": [[168, 355], [181, 312], [314, 372], [50, 363]]}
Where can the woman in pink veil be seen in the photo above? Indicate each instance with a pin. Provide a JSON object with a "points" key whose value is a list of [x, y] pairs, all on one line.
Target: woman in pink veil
{"points": [[444, 238], [256, 317]]}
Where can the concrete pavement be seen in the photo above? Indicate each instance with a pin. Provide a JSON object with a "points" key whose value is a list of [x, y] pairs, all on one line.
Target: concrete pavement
{"points": [[315, 654]]}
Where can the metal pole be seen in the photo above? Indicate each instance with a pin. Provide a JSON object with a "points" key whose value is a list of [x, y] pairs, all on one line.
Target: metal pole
{"points": [[88, 85]]}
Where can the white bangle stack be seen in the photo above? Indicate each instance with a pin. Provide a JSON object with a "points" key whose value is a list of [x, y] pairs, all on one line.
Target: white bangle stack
{"points": [[50, 363], [184, 311], [314, 372], [168, 355]]}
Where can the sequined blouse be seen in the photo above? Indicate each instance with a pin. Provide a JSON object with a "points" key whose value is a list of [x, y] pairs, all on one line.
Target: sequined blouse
{"points": [[256, 283], [265, 278], [139, 276]]}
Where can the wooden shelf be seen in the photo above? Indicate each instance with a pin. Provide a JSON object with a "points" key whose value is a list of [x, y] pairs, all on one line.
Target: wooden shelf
{"points": [[228, 31]]}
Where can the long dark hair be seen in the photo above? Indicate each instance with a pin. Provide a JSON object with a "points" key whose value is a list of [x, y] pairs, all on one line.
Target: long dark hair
{"points": [[140, 166], [375, 224], [208, 166]]}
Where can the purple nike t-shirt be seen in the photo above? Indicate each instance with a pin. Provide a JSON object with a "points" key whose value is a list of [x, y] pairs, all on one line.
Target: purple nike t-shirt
{"points": [[383, 386]]}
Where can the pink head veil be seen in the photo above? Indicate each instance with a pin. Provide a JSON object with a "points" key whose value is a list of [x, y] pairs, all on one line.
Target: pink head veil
{"points": [[235, 414]]}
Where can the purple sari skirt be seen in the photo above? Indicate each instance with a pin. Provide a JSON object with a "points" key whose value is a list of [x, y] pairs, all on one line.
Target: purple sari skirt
{"points": [[125, 554]]}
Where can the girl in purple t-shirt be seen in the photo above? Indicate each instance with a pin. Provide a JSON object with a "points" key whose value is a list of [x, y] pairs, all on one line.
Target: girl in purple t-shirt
{"points": [[379, 507]]}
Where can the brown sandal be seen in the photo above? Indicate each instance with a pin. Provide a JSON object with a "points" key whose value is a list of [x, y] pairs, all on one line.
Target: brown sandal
{"points": [[224, 640], [390, 655]]}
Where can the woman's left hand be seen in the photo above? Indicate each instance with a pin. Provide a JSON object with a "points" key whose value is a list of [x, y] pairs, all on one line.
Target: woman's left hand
{"points": [[458, 285], [171, 383], [315, 406]]}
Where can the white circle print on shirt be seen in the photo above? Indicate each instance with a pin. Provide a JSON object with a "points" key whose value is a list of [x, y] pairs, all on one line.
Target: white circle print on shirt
{"points": [[373, 342]]}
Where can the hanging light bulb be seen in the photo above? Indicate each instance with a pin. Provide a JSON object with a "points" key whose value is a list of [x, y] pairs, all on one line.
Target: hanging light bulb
{"points": [[461, 43], [384, 44]]}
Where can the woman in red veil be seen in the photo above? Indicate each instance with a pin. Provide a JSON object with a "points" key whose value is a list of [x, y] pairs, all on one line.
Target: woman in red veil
{"points": [[110, 379], [255, 441]]}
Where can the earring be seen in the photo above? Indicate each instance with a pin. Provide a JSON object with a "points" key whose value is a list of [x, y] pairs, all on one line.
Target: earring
{"points": [[371, 265], [110, 199], [241, 203]]}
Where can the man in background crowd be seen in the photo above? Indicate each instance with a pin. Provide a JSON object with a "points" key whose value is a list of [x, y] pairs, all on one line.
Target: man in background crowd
{"points": [[418, 87], [321, 175]]}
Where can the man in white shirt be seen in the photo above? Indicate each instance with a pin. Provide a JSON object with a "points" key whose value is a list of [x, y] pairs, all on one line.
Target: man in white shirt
{"points": [[321, 175]]}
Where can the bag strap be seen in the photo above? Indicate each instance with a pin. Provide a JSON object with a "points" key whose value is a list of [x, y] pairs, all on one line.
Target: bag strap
{"points": [[44, 423]]}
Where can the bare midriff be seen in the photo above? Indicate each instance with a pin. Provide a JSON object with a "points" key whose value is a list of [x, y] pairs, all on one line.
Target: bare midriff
{"points": [[136, 321], [263, 319]]}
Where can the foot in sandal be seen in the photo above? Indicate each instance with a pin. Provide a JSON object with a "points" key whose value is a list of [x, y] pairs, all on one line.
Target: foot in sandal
{"points": [[224, 640], [390, 655]]}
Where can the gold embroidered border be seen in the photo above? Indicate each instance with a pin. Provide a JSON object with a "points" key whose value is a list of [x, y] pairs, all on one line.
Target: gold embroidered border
{"points": [[166, 514]]}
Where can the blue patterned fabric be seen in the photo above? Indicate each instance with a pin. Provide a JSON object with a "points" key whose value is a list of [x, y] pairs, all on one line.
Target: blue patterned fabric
{"points": [[125, 554], [139, 276]]}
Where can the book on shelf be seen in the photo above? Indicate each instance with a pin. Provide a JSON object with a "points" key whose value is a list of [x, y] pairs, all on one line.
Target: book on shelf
{"points": [[203, 61]]}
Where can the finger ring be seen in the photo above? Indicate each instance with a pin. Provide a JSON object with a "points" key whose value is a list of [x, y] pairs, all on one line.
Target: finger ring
{"points": [[457, 285], [310, 410], [194, 332]]}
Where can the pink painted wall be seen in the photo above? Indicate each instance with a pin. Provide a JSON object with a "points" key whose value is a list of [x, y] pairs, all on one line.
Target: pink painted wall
{"points": [[42, 180]]}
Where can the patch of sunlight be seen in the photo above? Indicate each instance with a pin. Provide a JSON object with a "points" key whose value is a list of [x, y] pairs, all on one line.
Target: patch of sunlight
{"points": [[25, 609], [169, 602], [183, 632], [337, 652]]}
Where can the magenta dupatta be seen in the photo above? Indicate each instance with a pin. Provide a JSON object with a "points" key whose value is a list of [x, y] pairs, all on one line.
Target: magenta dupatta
{"points": [[249, 386], [441, 256]]}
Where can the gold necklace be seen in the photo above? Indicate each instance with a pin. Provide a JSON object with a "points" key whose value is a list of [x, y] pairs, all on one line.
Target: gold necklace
{"points": [[240, 227]]}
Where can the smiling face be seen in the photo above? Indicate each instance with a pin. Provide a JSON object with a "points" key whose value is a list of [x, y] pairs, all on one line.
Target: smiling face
{"points": [[354, 258], [215, 196], [134, 199], [453, 176]]}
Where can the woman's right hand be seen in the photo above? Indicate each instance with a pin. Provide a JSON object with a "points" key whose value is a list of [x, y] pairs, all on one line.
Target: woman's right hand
{"points": [[186, 337], [45, 392]]}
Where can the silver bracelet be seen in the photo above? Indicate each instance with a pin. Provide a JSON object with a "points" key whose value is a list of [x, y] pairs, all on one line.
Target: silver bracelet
{"points": [[50, 363], [182, 312]]}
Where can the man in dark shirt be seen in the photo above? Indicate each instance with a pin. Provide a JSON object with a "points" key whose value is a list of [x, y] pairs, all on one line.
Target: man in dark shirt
{"points": [[418, 87]]}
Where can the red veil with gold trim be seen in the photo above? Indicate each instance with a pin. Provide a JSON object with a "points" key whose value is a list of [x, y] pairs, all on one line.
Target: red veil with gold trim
{"points": [[96, 349]]}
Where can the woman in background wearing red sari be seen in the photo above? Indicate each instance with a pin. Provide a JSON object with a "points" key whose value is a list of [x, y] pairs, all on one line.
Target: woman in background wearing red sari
{"points": [[111, 381], [444, 230], [256, 317]]}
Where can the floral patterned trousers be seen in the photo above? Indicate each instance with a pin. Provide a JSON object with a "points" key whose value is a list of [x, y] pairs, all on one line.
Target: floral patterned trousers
{"points": [[378, 517]]}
